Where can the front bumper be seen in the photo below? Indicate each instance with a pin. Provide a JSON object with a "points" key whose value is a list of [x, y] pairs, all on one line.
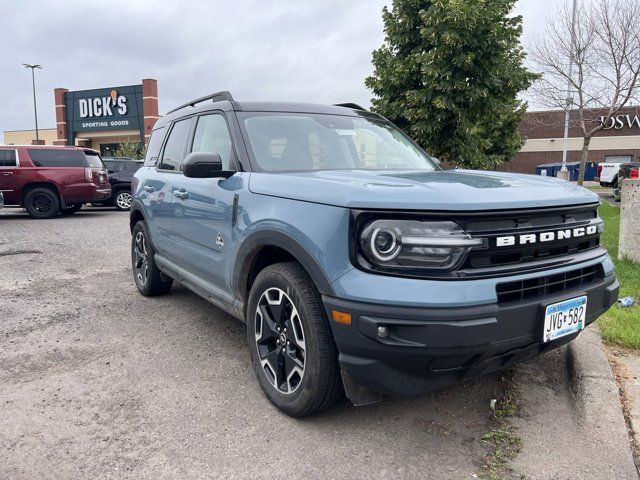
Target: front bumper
{"points": [[431, 347]]}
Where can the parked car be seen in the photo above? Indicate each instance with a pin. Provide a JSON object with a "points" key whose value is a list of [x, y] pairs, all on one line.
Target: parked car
{"points": [[120, 170], [627, 170], [48, 180], [608, 171], [357, 264]]}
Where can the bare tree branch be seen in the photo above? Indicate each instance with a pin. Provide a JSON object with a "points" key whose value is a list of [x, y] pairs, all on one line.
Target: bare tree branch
{"points": [[606, 60]]}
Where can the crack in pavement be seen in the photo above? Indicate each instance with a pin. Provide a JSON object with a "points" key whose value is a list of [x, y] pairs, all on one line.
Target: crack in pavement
{"points": [[6, 253]]}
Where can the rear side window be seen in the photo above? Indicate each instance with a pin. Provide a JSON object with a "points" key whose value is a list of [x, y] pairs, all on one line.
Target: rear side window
{"points": [[8, 158], [57, 158], [153, 149], [174, 149], [93, 159]]}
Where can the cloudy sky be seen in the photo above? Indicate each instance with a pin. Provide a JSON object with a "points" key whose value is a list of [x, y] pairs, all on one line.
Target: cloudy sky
{"points": [[317, 51]]}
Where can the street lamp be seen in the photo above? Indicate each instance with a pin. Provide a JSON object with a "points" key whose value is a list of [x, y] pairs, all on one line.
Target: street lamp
{"points": [[33, 82], [565, 143]]}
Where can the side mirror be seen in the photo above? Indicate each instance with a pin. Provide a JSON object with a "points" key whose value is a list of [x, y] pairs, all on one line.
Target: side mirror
{"points": [[204, 165]]}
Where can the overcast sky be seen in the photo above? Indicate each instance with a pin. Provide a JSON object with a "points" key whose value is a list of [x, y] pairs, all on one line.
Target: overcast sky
{"points": [[315, 51]]}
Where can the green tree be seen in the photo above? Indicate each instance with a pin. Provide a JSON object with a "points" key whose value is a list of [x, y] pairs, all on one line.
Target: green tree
{"points": [[130, 150], [449, 73]]}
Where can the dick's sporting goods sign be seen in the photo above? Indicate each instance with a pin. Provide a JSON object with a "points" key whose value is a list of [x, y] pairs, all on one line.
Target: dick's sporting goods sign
{"points": [[115, 108]]}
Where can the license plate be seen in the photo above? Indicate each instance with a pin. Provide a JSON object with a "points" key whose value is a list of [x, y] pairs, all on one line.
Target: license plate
{"points": [[564, 318]]}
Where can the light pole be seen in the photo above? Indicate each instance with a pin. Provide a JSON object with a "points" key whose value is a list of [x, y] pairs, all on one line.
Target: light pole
{"points": [[33, 82], [565, 144]]}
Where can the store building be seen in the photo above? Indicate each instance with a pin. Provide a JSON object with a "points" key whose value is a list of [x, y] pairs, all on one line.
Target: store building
{"points": [[106, 117], [27, 137], [544, 134], [102, 118]]}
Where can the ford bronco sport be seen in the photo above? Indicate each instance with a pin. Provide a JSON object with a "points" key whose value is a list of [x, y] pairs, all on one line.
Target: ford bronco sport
{"points": [[358, 265], [48, 180]]}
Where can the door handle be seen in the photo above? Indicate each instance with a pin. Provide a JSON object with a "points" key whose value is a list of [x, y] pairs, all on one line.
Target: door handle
{"points": [[6, 174], [149, 189], [181, 194]]}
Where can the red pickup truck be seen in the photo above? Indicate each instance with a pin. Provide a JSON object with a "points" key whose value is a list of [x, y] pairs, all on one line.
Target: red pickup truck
{"points": [[48, 180]]}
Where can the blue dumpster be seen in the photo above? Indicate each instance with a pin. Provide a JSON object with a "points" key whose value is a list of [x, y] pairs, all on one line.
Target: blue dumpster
{"points": [[551, 169], [546, 169]]}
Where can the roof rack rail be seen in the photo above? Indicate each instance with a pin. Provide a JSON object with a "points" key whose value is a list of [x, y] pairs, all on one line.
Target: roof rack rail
{"points": [[354, 106], [216, 97]]}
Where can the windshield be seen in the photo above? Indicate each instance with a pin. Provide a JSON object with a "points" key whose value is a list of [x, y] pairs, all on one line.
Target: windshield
{"points": [[308, 141]]}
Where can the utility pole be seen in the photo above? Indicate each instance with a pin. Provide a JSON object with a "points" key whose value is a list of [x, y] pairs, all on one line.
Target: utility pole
{"points": [[564, 174], [35, 106]]}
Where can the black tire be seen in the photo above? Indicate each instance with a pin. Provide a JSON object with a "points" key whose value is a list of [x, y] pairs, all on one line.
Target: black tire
{"points": [[121, 199], [42, 203], [150, 281], [320, 385], [71, 209]]}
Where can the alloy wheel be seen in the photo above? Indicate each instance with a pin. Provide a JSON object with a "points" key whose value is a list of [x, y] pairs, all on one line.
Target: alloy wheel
{"points": [[43, 203], [280, 340], [141, 264], [123, 200]]}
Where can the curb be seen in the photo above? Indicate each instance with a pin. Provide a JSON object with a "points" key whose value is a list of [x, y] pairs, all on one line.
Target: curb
{"points": [[598, 402]]}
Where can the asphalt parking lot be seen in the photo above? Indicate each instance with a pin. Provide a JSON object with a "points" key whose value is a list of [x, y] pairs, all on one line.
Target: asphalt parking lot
{"points": [[97, 381]]}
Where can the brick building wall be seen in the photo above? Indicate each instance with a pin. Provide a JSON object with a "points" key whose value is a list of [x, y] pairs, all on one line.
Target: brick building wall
{"points": [[544, 133]]}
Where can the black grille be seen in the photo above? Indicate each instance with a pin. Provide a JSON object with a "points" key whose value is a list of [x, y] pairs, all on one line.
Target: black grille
{"points": [[498, 261], [530, 253], [530, 222], [541, 286]]}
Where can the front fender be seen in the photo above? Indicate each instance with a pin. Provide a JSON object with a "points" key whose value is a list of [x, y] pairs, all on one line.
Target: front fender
{"points": [[273, 237]]}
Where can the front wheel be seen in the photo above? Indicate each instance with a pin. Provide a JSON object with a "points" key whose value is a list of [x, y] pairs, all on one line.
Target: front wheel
{"points": [[149, 280], [122, 200], [292, 349]]}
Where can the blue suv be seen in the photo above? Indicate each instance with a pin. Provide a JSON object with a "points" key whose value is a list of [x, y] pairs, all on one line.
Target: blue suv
{"points": [[359, 266]]}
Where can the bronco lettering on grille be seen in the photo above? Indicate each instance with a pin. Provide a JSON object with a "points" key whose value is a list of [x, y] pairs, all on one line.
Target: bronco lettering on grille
{"points": [[532, 238]]}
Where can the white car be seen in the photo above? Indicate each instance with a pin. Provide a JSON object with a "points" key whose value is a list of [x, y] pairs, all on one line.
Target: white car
{"points": [[608, 170]]}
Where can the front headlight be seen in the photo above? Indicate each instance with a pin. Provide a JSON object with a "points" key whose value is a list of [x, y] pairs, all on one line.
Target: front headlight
{"points": [[399, 245]]}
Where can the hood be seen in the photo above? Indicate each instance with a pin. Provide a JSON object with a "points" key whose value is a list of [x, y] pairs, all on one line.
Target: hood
{"points": [[454, 190]]}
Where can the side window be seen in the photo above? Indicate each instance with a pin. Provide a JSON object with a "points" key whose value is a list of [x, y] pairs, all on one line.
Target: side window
{"points": [[153, 149], [109, 165], [8, 158], [212, 135], [42, 157], [173, 153]]}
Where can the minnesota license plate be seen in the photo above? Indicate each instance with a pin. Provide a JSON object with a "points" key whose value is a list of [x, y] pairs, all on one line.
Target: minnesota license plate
{"points": [[564, 318]]}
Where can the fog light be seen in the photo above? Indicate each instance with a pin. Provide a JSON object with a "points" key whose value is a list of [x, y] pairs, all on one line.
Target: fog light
{"points": [[383, 332]]}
